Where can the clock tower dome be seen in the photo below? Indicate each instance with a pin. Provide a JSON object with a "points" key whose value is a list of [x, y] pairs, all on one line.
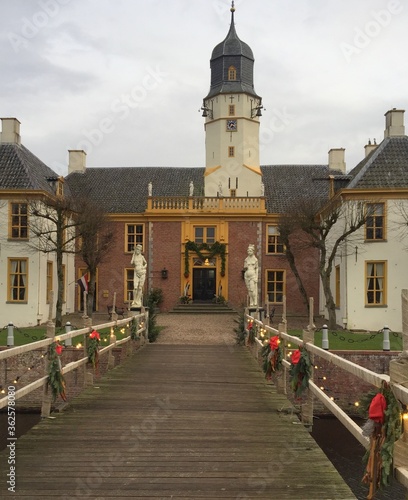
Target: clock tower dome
{"points": [[232, 109]]}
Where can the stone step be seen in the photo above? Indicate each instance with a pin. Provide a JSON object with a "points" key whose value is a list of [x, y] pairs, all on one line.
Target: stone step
{"points": [[202, 308]]}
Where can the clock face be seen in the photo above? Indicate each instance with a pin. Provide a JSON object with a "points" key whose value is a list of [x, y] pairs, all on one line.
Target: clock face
{"points": [[231, 125]]}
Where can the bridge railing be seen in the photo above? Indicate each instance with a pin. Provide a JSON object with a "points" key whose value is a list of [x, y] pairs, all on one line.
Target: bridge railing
{"points": [[42, 381], [399, 390]]}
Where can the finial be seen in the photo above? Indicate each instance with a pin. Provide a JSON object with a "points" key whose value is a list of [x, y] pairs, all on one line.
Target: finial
{"points": [[232, 6]]}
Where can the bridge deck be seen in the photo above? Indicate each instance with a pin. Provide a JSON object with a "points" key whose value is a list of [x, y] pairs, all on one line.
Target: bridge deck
{"points": [[175, 421]]}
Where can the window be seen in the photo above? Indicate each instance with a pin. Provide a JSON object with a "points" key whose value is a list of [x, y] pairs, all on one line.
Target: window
{"points": [[49, 281], [18, 279], [18, 221], [231, 151], [232, 73], [129, 276], [134, 236], [275, 286], [204, 235], [375, 221], [375, 283], [274, 244], [337, 286], [233, 193], [231, 110]]}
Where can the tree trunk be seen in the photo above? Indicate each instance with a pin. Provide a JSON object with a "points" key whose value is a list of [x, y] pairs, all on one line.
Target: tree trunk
{"points": [[291, 259], [60, 292], [330, 305]]}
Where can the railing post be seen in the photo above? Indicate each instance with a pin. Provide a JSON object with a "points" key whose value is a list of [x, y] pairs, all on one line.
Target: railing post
{"points": [[50, 333], [325, 338], [68, 342], [10, 335], [386, 338], [308, 336], [147, 325]]}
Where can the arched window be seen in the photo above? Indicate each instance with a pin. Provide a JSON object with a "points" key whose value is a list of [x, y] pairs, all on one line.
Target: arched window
{"points": [[232, 73]]}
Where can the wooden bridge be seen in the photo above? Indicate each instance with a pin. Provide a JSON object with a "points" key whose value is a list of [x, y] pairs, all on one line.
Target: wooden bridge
{"points": [[175, 422]]}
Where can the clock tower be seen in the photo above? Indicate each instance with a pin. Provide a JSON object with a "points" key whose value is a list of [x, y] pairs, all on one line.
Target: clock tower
{"points": [[232, 109]]}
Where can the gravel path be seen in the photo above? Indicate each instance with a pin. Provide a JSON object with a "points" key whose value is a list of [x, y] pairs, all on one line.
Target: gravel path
{"points": [[197, 329]]}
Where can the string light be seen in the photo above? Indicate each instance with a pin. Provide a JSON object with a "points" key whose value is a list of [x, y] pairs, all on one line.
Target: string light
{"points": [[356, 404], [79, 345]]}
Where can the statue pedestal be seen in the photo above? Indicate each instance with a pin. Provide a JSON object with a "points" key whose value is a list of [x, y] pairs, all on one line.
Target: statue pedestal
{"points": [[256, 312]]}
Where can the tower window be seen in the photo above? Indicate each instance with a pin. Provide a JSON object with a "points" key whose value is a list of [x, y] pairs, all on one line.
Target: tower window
{"points": [[232, 73], [231, 151], [231, 110], [233, 193]]}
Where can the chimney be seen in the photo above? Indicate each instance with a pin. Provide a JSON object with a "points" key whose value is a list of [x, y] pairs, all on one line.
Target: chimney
{"points": [[10, 131], [370, 147], [77, 160], [336, 159], [394, 123]]}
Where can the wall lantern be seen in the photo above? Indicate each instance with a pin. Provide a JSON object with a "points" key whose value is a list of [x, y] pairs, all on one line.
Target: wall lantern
{"points": [[164, 273]]}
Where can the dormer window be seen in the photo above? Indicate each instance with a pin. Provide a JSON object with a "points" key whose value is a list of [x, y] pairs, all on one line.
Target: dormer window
{"points": [[232, 73]]}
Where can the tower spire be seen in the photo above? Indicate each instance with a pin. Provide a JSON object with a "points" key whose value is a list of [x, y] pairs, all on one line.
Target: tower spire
{"points": [[232, 9]]}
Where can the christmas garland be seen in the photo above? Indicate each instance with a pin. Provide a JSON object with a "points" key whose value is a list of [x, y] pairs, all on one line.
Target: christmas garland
{"points": [[252, 329], [383, 427], [55, 377], [272, 354], [214, 249], [300, 371], [93, 348]]}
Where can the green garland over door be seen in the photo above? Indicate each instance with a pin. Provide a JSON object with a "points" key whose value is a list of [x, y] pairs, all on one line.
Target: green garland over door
{"points": [[216, 248]]}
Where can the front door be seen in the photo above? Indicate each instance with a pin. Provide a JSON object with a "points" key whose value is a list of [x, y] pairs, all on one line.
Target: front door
{"points": [[203, 284]]}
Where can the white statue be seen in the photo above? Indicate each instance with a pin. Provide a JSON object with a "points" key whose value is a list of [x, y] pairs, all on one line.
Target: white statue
{"points": [[139, 275], [251, 275], [262, 189], [150, 189], [220, 189], [191, 188]]}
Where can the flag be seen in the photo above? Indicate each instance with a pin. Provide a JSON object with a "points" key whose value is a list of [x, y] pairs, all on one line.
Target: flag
{"points": [[83, 283]]}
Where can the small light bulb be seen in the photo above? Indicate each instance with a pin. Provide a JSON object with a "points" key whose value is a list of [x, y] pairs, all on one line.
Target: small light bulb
{"points": [[356, 403]]}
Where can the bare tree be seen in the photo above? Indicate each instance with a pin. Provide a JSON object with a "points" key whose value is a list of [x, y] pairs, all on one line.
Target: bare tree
{"points": [[96, 235], [324, 228], [52, 223]]}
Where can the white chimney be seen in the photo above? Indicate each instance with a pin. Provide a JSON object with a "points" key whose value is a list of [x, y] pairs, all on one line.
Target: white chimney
{"points": [[336, 159], [370, 147], [394, 123], [77, 160], [10, 133]]}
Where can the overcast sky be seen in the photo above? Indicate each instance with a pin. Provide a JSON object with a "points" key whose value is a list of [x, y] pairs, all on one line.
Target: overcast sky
{"points": [[124, 79]]}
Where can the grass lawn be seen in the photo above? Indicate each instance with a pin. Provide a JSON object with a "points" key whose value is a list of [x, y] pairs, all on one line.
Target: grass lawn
{"points": [[341, 340], [352, 341], [27, 335]]}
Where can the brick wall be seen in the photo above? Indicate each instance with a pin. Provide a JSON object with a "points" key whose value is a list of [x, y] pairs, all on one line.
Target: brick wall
{"points": [[345, 388], [166, 253], [18, 367]]}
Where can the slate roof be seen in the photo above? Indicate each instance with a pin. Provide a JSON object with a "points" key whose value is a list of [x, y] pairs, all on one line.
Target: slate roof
{"points": [[125, 189], [232, 52], [232, 45], [284, 183], [20, 169], [385, 167]]}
